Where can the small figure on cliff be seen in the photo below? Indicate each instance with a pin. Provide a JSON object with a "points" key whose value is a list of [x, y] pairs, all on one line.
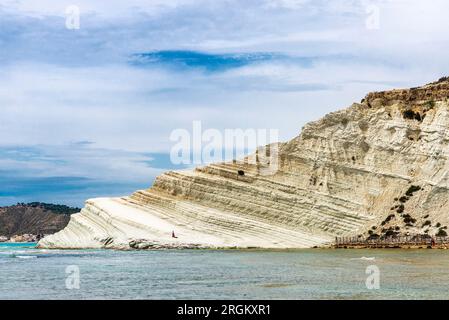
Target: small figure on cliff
{"points": [[173, 234]]}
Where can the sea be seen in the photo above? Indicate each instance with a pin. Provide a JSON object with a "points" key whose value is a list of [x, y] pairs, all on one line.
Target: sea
{"points": [[30, 273]]}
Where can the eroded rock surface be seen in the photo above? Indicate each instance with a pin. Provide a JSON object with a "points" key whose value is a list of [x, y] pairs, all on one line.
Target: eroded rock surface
{"points": [[349, 173]]}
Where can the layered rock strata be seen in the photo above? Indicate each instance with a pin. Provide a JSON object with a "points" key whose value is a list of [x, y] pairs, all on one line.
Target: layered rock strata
{"points": [[378, 167]]}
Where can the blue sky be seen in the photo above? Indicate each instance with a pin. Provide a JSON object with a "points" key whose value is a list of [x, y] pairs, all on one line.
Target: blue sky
{"points": [[88, 113]]}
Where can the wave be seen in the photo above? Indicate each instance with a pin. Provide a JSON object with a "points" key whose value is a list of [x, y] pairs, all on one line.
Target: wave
{"points": [[365, 258]]}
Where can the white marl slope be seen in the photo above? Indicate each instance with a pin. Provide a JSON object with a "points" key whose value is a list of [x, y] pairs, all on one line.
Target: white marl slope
{"points": [[343, 175]]}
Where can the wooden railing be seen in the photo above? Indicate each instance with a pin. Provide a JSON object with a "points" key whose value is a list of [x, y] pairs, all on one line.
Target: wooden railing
{"points": [[398, 241]]}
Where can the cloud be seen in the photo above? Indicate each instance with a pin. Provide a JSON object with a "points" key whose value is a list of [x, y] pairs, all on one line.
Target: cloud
{"points": [[76, 171], [286, 4], [68, 190], [205, 61], [76, 160], [109, 9]]}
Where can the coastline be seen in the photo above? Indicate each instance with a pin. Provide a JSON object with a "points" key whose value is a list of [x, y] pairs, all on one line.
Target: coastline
{"points": [[330, 247]]}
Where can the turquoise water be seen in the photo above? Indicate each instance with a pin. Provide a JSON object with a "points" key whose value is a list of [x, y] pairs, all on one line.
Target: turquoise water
{"points": [[29, 273]]}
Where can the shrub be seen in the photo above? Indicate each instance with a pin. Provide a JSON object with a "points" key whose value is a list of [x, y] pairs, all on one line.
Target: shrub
{"points": [[55, 208], [410, 114], [391, 233], [427, 223], [409, 220], [412, 190]]}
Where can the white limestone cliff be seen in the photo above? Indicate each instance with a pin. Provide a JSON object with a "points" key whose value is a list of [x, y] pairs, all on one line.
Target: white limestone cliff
{"points": [[377, 167]]}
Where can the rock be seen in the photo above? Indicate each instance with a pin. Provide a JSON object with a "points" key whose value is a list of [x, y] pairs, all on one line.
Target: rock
{"points": [[34, 218], [3, 239], [24, 238], [340, 177], [16, 238]]}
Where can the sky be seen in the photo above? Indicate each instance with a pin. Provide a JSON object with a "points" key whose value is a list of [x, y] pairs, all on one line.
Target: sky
{"points": [[87, 109]]}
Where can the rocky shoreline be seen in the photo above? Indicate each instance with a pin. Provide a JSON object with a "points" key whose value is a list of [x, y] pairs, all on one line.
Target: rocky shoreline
{"points": [[22, 238]]}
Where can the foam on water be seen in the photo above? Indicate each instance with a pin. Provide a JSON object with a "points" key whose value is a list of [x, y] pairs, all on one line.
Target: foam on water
{"points": [[365, 258], [26, 257]]}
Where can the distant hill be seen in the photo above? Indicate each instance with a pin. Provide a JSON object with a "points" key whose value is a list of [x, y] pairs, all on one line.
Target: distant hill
{"points": [[34, 218]]}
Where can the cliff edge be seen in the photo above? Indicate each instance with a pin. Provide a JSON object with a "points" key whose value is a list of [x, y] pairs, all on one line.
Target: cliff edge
{"points": [[377, 168]]}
